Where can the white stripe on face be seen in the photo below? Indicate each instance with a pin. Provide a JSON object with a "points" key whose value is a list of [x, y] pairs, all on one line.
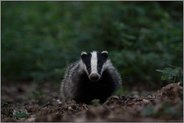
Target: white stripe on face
{"points": [[94, 62]]}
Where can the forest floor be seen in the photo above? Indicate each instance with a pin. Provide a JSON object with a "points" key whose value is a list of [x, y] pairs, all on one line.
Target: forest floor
{"points": [[23, 102]]}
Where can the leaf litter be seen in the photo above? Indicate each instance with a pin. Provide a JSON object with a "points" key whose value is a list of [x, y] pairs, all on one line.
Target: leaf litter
{"points": [[20, 104]]}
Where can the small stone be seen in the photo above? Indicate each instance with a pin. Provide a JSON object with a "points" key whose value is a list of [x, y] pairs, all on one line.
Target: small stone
{"points": [[146, 101]]}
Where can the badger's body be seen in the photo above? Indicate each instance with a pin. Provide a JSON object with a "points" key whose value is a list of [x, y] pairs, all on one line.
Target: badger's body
{"points": [[91, 77]]}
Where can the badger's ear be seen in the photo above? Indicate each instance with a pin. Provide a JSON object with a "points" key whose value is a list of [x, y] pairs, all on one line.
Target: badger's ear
{"points": [[105, 54], [83, 55]]}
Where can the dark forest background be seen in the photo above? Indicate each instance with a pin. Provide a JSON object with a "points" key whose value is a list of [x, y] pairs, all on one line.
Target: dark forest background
{"points": [[144, 39]]}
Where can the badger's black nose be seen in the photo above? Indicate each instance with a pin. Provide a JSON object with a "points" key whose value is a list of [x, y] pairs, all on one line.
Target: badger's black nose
{"points": [[94, 77]]}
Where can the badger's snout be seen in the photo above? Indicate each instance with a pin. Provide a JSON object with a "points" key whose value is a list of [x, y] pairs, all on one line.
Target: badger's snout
{"points": [[94, 77]]}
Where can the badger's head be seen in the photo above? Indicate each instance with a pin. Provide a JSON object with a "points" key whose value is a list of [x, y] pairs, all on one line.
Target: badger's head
{"points": [[93, 64]]}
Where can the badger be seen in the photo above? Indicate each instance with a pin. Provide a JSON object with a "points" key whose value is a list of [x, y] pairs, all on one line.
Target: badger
{"points": [[93, 76]]}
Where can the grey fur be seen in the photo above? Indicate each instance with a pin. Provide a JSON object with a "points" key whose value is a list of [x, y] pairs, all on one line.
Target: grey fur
{"points": [[72, 78]]}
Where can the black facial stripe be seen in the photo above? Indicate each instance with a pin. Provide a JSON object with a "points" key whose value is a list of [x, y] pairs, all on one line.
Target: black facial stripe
{"points": [[100, 61], [87, 62]]}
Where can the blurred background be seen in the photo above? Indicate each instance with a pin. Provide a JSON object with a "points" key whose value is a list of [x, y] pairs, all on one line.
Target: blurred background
{"points": [[144, 40]]}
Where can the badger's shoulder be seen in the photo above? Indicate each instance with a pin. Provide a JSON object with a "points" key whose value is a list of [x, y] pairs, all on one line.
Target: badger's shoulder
{"points": [[67, 83], [71, 68]]}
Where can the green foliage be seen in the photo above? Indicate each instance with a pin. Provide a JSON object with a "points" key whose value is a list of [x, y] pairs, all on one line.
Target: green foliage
{"points": [[148, 111], [121, 91], [39, 39], [171, 74], [164, 109], [20, 114], [95, 102]]}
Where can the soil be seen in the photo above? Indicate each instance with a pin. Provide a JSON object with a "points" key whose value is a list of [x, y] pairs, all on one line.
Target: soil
{"points": [[28, 102]]}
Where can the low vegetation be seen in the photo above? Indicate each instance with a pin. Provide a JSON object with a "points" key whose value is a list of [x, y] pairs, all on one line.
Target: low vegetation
{"points": [[39, 39]]}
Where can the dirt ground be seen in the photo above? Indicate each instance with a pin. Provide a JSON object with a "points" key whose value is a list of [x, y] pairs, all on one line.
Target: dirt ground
{"points": [[27, 102]]}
